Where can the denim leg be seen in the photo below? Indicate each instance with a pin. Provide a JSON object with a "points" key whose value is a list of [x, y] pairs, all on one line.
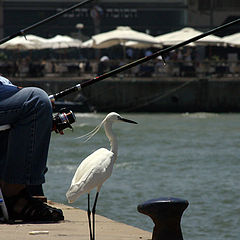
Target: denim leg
{"points": [[29, 112]]}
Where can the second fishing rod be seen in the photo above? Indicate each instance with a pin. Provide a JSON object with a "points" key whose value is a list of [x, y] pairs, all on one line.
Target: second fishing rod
{"points": [[22, 32], [162, 53]]}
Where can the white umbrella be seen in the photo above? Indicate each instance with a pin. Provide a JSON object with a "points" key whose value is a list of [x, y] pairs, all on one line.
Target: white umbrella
{"points": [[141, 45], [233, 40], [88, 44], [62, 41], [120, 35], [35, 39], [184, 34], [27, 42]]}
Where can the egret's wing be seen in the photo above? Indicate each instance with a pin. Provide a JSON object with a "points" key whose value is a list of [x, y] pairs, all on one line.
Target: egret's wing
{"points": [[92, 172], [92, 160]]}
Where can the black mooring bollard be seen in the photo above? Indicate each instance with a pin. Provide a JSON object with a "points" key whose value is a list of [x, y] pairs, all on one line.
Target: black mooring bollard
{"points": [[166, 214]]}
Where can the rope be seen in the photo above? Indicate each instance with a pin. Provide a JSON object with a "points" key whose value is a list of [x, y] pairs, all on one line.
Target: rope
{"points": [[150, 100]]}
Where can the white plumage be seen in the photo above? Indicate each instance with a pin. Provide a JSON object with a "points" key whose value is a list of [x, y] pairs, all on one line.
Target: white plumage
{"points": [[95, 169], [92, 172]]}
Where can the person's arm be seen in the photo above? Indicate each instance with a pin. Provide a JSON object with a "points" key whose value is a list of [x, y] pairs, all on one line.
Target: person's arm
{"points": [[7, 88]]}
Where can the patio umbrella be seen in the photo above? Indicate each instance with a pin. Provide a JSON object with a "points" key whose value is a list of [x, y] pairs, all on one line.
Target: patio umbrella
{"points": [[88, 44], [142, 45], [184, 34], [62, 41], [120, 35], [27, 42], [233, 40]]}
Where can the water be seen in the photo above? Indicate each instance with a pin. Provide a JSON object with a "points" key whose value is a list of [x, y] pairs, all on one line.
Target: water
{"points": [[189, 156]]}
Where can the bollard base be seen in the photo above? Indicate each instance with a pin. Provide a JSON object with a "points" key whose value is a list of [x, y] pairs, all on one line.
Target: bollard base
{"points": [[166, 214]]}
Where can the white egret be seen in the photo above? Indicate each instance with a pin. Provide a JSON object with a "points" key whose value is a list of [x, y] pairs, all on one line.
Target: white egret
{"points": [[96, 168]]}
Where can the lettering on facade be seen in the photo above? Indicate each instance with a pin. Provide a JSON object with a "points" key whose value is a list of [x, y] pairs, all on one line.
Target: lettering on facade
{"points": [[115, 13], [121, 13]]}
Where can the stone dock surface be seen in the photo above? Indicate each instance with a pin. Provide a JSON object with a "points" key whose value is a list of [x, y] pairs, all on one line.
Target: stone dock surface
{"points": [[74, 227], [156, 94]]}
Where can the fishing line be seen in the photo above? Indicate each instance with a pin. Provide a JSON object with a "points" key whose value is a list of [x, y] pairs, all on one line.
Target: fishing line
{"points": [[145, 101], [125, 67]]}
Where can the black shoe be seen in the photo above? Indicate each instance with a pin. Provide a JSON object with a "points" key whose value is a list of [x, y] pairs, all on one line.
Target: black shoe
{"points": [[32, 210]]}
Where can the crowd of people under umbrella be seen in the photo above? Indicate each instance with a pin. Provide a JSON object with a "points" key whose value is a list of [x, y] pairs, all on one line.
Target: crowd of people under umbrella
{"points": [[33, 56]]}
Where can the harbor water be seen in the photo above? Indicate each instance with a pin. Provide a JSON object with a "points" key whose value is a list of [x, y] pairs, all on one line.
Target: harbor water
{"points": [[191, 156]]}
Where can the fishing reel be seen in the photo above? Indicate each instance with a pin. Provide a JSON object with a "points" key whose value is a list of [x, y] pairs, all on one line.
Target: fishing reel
{"points": [[63, 120]]}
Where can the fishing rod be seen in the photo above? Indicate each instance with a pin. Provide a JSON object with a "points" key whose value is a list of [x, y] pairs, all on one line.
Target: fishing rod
{"points": [[23, 31], [162, 53], [65, 117]]}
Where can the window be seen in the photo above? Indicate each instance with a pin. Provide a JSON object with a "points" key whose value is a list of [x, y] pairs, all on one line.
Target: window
{"points": [[219, 5], [204, 5], [231, 5]]}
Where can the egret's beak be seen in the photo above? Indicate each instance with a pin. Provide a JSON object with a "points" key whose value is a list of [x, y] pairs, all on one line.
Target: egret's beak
{"points": [[127, 120]]}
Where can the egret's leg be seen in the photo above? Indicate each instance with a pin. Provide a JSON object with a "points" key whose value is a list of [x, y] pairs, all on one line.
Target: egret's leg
{"points": [[93, 214], [89, 218]]}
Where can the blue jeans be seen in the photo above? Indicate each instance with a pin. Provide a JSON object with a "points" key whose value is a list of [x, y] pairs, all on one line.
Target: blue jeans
{"points": [[23, 159]]}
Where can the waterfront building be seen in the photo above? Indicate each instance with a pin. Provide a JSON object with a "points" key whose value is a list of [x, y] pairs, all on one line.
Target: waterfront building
{"points": [[152, 16], [206, 14]]}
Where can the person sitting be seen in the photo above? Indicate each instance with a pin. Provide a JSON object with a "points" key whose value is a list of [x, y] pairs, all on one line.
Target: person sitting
{"points": [[23, 151]]}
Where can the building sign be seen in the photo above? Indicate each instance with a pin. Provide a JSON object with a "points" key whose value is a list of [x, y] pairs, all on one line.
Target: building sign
{"points": [[155, 18], [106, 13], [121, 13]]}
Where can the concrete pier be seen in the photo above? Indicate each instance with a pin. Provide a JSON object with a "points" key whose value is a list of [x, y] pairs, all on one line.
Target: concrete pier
{"points": [[74, 227], [150, 94]]}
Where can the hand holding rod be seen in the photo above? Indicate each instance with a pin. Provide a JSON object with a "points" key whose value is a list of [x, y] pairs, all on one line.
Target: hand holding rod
{"points": [[140, 61], [22, 32]]}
